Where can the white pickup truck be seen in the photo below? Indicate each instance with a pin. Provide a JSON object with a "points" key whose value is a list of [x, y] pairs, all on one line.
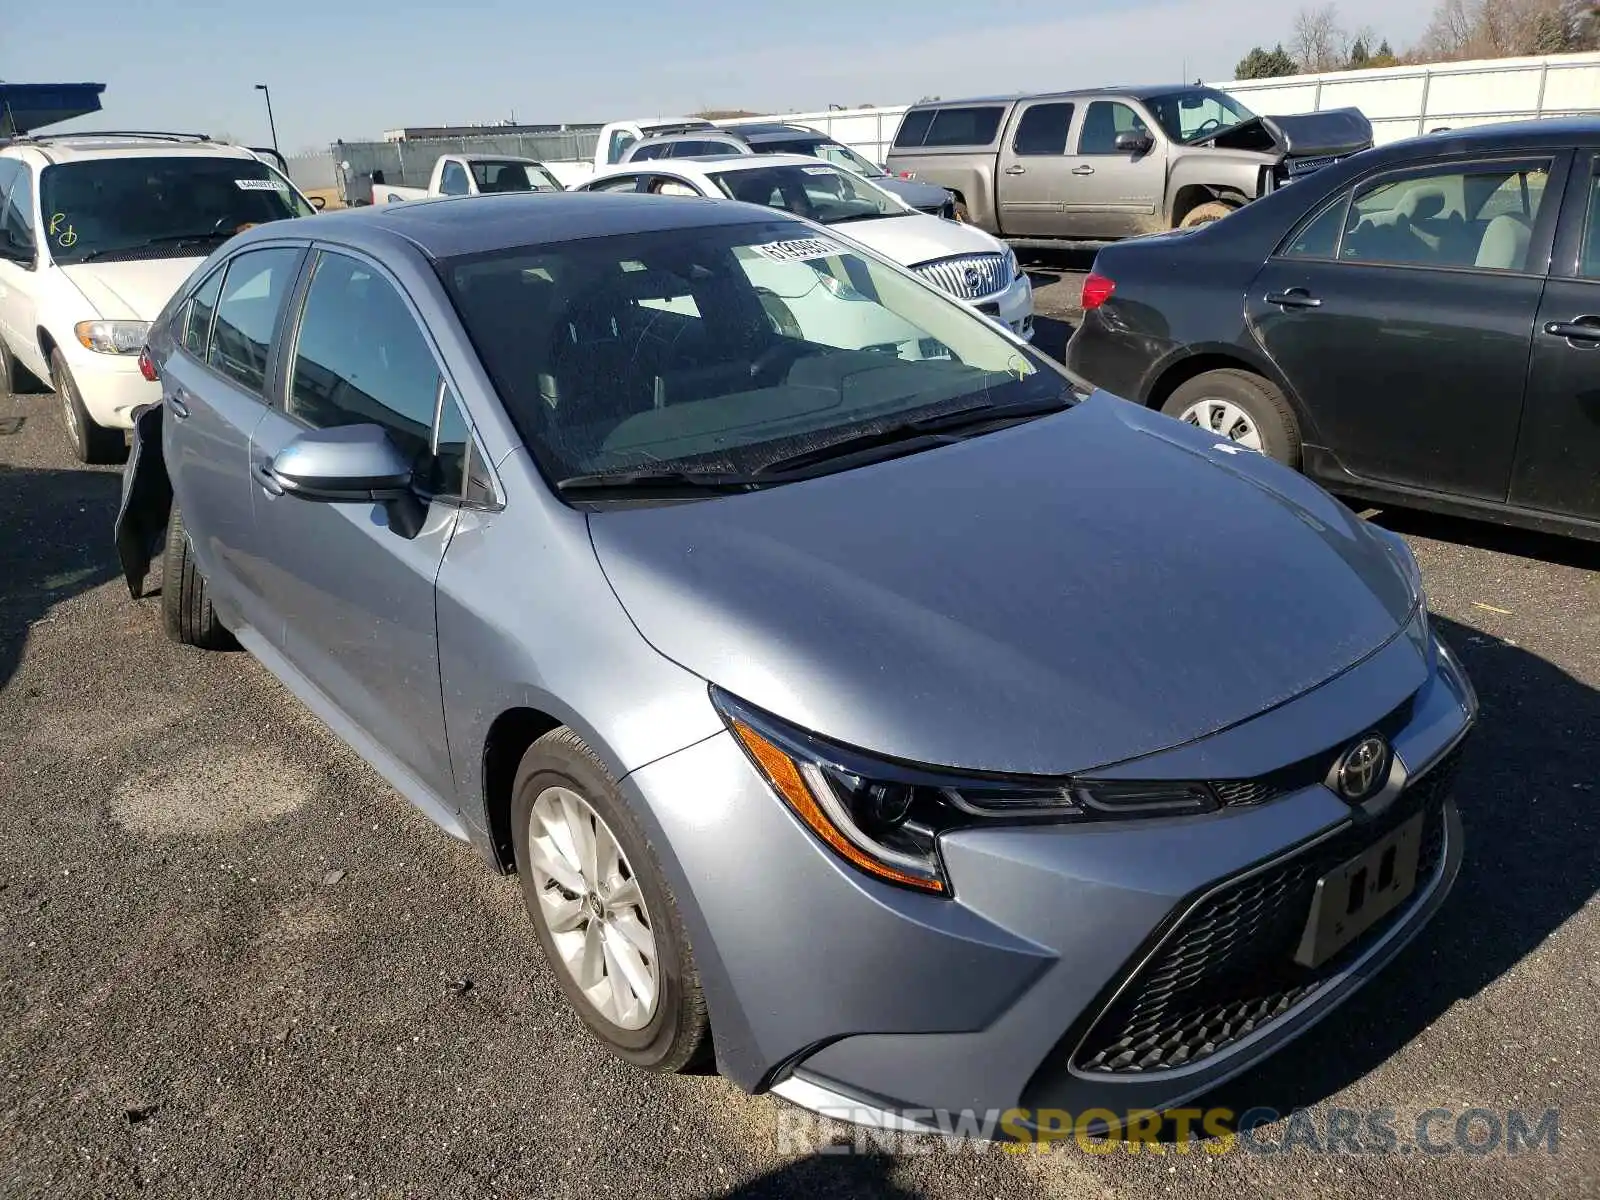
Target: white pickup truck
{"points": [[473, 175]]}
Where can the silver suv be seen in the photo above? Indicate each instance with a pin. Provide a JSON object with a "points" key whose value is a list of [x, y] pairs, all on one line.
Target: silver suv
{"points": [[1114, 162]]}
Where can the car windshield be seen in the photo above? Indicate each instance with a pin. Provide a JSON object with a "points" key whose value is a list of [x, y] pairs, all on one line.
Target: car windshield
{"points": [[513, 176], [724, 349], [832, 152], [150, 207], [1196, 113], [821, 193]]}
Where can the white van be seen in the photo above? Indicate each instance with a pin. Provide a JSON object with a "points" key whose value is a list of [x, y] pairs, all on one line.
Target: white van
{"points": [[96, 233]]}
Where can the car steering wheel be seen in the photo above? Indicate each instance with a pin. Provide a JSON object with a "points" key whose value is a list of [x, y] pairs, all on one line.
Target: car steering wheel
{"points": [[1208, 126]]}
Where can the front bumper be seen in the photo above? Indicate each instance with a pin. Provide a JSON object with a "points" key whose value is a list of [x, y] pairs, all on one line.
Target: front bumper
{"points": [[111, 385], [1012, 307], [843, 994]]}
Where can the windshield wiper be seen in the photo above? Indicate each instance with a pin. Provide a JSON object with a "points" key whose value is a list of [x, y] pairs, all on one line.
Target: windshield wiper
{"points": [[166, 239], [659, 478], [866, 216], [919, 433]]}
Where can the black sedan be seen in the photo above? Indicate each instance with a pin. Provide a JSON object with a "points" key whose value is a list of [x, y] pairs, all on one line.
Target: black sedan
{"points": [[1418, 325]]}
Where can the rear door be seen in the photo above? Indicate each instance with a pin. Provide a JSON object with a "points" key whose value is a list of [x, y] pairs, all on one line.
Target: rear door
{"points": [[1558, 453], [1113, 193], [355, 598], [213, 387], [1035, 175], [1402, 315]]}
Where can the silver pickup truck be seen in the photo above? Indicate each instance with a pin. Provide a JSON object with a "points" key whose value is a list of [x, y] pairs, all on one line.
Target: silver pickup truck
{"points": [[1112, 162]]}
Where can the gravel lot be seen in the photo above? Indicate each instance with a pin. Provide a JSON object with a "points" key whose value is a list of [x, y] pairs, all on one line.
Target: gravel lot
{"points": [[233, 961]]}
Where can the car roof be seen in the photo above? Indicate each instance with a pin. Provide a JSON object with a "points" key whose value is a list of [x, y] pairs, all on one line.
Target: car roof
{"points": [[752, 132], [459, 225], [75, 147], [1137, 91], [1546, 133], [705, 164]]}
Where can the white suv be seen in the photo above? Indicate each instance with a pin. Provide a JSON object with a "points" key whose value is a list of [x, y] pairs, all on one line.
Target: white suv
{"points": [[96, 233]]}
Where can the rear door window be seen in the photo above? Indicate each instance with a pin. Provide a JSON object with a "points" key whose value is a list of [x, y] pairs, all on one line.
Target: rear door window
{"points": [[197, 314], [964, 126], [253, 293], [914, 127], [1043, 130], [1479, 216], [691, 149]]}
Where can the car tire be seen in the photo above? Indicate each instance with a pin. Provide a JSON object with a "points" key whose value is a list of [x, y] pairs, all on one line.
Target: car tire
{"points": [[1205, 214], [593, 914], [1242, 407], [186, 610], [92, 443]]}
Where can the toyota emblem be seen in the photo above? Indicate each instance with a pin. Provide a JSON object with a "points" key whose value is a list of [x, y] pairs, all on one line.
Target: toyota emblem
{"points": [[974, 280], [1363, 770]]}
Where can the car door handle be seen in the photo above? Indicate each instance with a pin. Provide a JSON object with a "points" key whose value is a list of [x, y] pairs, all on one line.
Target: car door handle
{"points": [[176, 404], [1016, 170], [1083, 170], [1575, 330], [1293, 298], [263, 476]]}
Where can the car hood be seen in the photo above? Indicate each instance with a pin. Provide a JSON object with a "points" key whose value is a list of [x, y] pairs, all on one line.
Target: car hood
{"points": [[918, 238], [1079, 590], [131, 291], [1337, 131], [918, 195]]}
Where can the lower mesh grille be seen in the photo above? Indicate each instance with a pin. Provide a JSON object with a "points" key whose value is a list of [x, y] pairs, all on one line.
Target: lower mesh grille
{"points": [[1227, 969]]}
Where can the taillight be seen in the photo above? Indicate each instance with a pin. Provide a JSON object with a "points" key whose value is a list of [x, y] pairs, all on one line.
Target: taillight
{"points": [[147, 366], [1097, 289]]}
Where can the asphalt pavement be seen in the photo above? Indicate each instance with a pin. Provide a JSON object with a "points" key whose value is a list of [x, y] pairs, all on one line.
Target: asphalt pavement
{"points": [[234, 962]]}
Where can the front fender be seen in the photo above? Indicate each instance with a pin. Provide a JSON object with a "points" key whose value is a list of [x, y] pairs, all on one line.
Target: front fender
{"points": [[1219, 170], [146, 500]]}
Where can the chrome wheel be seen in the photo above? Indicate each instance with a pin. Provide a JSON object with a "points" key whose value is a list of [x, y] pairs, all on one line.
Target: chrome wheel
{"points": [[1225, 419], [591, 904]]}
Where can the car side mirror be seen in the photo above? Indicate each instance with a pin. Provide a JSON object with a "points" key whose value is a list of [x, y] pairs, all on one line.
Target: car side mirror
{"points": [[318, 202], [1134, 143], [349, 464]]}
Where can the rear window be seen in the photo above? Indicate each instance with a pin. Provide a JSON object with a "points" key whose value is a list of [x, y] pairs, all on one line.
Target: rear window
{"points": [[975, 126]]}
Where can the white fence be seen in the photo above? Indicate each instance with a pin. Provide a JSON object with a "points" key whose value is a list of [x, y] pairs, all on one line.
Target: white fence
{"points": [[1399, 101]]}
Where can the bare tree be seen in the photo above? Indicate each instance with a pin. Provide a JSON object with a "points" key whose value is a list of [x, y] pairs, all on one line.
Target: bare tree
{"points": [[1501, 28], [1319, 43]]}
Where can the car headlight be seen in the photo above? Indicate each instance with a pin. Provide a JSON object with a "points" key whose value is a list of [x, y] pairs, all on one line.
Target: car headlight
{"points": [[886, 818], [1013, 267], [112, 337]]}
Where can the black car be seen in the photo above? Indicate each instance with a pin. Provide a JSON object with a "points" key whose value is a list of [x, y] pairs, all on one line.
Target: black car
{"points": [[1419, 324]]}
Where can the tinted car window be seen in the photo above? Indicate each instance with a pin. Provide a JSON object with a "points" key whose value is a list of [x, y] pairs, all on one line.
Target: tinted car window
{"points": [[1102, 123], [624, 183], [621, 139], [360, 357], [690, 149], [1476, 217], [197, 315], [1589, 268], [658, 150], [16, 216], [253, 292], [1043, 129], [454, 180], [963, 127], [913, 127], [1319, 237]]}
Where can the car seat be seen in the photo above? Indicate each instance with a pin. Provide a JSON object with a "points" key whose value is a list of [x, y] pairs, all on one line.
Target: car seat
{"points": [[1505, 244]]}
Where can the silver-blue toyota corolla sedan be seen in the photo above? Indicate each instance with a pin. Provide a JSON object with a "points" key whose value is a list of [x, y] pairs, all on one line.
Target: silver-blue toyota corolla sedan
{"points": [[849, 690]]}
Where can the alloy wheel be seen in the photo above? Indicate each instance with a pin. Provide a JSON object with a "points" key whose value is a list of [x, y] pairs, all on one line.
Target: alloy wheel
{"points": [[593, 907], [1225, 419]]}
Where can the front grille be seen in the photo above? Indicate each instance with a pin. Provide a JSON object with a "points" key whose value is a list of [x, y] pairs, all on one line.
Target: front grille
{"points": [[1227, 969], [968, 276]]}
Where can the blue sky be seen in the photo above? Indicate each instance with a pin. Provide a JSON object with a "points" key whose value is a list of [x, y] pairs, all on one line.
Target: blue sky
{"points": [[352, 70]]}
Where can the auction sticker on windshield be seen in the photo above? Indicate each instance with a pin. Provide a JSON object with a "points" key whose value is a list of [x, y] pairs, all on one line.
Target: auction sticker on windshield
{"points": [[261, 185], [799, 249]]}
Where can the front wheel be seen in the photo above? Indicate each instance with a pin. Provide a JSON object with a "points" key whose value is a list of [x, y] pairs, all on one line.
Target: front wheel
{"points": [[91, 443], [602, 910], [186, 610], [1241, 407]]}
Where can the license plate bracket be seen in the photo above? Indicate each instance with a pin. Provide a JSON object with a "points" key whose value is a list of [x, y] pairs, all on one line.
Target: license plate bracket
{"points": [[1353, 897]]}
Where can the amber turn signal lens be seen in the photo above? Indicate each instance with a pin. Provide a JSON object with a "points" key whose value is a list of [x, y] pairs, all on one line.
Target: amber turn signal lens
{"points": [[784, 776]]}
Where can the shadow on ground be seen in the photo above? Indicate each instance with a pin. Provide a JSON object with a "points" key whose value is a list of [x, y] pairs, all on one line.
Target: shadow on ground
{"points": [[845, 1175], [1483, 535], [61, 548], [1530, 808], [1050, 336]]}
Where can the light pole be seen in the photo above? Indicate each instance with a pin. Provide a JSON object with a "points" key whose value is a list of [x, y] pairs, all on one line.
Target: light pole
{"points": [[271, 124]]}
